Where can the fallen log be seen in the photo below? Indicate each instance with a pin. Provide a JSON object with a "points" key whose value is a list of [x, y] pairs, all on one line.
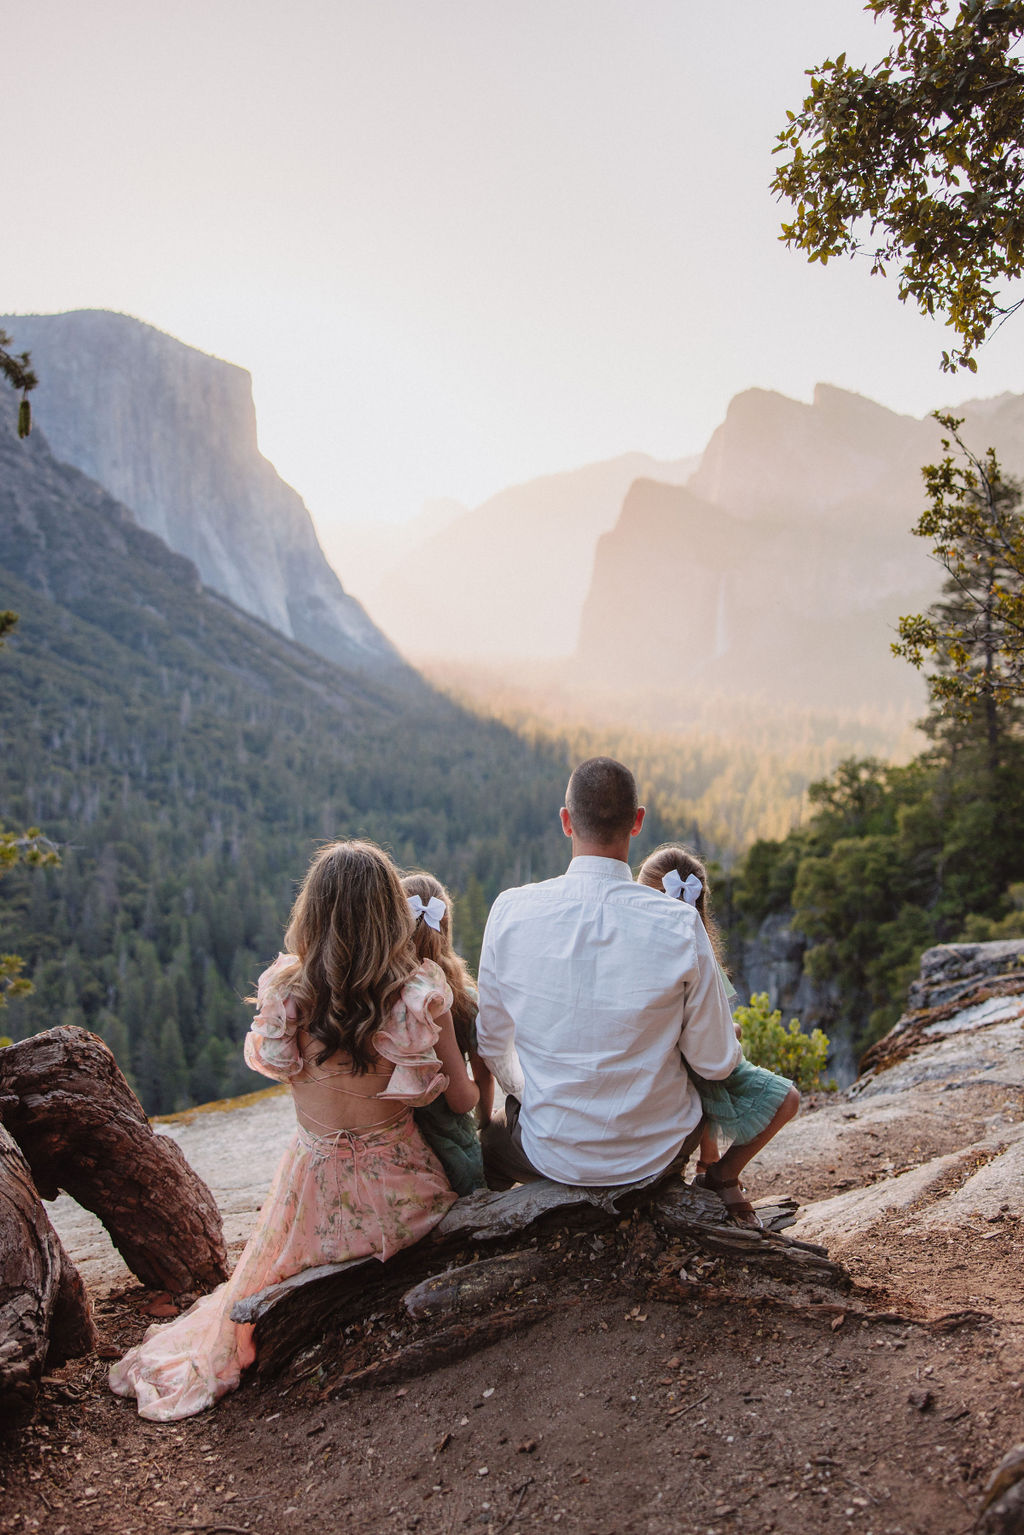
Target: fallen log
{"points": [[45, 1317], [441, 1348], [310, 1306], [82, 1129]]}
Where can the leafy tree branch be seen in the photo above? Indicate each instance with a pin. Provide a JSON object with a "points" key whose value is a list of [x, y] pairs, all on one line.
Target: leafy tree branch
{"points": [[918, 163]]}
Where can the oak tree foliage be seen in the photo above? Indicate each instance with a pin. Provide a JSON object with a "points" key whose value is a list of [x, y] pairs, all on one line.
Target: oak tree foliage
{"points": [[918, 162]]}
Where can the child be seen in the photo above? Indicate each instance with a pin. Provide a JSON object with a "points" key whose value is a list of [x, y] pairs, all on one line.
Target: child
{"points": [[752, 1104], [363, 1033], [451, 1136]]}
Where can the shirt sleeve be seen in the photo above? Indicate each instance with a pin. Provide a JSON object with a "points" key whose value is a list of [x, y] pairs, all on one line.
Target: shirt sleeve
{"points": [[708, 1039], [495, 1031]]}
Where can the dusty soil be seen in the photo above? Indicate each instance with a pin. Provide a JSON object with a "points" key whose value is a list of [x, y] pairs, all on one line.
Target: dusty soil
{"points": [[616, 1412]]}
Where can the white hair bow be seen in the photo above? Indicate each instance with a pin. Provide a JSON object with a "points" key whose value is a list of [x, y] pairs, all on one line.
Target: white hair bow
{"points": [[431, 913], [680, 889]]}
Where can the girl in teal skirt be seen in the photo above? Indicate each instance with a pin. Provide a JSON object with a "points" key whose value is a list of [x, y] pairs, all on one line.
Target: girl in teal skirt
{"points": [[751, 1105], [453, 1138]]}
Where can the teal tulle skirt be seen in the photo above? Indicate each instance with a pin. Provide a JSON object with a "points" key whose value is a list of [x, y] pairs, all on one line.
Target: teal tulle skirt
{"points": [[454, 1140], [742, 1105]]}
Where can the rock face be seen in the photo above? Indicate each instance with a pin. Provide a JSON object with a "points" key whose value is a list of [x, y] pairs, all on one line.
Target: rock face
{"points": [[949, 1080], [780, 570], [171, 433]]}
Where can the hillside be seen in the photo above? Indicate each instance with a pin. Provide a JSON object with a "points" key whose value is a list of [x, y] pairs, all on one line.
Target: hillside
{"points": [[188, 757], [171, 433], [741, 1405]]}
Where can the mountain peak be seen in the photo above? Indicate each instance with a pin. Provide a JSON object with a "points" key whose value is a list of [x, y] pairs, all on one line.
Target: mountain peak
{"points": [[171, 432]]}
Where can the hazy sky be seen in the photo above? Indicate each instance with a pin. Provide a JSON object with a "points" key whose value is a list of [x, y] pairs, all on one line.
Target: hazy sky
{"points": [[457, 242]]}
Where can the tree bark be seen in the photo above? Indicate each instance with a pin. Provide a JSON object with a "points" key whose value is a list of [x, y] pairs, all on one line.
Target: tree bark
{"points": [[44, 1312], [82, 1129]]}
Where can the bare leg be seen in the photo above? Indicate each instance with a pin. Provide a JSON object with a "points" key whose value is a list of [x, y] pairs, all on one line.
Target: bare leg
{"points": [[728, 1168], [708, 1152]]}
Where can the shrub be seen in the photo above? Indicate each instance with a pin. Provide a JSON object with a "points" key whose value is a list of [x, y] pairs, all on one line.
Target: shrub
{"points": [[786, 1050]]}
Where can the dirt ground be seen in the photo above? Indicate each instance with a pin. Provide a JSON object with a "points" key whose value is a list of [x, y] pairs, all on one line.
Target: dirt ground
{"points": [[617, 1411]]}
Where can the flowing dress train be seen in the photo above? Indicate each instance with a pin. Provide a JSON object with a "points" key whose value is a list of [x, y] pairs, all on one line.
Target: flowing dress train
{"points": [[344, 1194]]}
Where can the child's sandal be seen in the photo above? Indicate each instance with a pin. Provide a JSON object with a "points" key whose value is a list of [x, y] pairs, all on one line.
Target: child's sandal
{"points": [[740, 1210]]}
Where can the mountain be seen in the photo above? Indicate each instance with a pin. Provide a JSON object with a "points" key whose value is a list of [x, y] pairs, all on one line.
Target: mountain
{"points": [[780, 570], [187, 758], [171, 433], [509, 578]]}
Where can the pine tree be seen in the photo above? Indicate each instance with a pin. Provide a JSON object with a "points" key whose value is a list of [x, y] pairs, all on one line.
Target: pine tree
{"points": [[974, 635]]}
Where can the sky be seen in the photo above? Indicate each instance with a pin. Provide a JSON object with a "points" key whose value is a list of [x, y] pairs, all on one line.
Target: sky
{"points": [[458, 243]]}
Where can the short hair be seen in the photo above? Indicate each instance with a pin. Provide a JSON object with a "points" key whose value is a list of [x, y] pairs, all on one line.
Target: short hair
{"points": [[601, 800]]}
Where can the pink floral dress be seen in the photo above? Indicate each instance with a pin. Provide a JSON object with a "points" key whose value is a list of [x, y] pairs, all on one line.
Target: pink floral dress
{"points": [[350, 1194]]}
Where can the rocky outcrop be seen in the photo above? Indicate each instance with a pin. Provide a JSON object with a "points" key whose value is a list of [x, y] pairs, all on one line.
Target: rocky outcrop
{"points": [[171, 433], [940, 1097]]}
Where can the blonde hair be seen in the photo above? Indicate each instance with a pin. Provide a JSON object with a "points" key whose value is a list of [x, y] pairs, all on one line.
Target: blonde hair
{"points": [[671, 856], [438, 947], [351, 935]]}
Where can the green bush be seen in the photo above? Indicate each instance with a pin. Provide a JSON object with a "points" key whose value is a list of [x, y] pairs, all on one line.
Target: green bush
{"points": [[786, 1050]]}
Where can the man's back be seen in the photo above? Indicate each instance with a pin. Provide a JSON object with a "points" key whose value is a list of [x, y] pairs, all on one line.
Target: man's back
{"points": [[601, 983]]}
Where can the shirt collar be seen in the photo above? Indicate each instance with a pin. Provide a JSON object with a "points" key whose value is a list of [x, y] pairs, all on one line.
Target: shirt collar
{"points": [[605, 868]]}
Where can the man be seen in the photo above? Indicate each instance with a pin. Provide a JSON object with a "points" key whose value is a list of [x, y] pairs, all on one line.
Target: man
{"points": [[594, 992]]}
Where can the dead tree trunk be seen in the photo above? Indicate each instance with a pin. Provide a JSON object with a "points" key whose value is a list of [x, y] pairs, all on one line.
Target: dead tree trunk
{"points": [[44, 1312], [82, 1129]]}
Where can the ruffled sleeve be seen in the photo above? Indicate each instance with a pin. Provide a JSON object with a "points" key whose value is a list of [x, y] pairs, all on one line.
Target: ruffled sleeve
{"points": [[409, 1037], [271, 1047]]}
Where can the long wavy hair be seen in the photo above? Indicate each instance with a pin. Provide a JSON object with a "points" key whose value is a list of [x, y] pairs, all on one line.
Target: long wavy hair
{"points": [[438, 947], [671, 856], [351, 934]]}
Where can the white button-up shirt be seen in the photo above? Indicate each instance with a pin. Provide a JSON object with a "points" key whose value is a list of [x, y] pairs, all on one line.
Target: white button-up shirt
{"points": [[593, 990]]}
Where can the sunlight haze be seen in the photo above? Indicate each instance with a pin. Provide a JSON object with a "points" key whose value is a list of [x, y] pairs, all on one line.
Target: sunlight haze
{"points": [[458, 245]]}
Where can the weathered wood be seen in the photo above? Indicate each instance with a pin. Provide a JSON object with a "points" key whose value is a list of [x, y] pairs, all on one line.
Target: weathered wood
{"points": [[676, 1209], [83, 1130], [476, 1284], [309, 1306], [489, 1217], [44, 1313], [441, 1348], [1002, 1508]]}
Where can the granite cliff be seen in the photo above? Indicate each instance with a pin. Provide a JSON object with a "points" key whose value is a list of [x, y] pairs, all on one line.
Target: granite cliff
{"points": [[780, 569], [171, 433]]}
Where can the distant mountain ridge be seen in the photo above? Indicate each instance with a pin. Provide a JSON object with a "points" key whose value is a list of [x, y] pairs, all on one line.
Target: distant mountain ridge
{"points": [[170, 432], [781, 569]]}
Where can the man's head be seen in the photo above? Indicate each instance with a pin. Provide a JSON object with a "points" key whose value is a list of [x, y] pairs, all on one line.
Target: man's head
{"points": [[601, 810]]}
